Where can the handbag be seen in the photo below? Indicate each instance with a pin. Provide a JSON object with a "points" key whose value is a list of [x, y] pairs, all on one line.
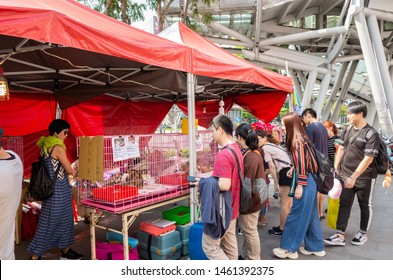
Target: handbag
{"points": [[41, 185]]}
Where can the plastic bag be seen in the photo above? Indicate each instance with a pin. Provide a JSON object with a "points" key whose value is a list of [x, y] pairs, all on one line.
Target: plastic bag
{"points": [[332, 213]]}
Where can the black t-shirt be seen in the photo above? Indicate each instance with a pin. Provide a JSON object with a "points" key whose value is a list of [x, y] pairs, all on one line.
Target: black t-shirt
{"points": [[365, 143]]}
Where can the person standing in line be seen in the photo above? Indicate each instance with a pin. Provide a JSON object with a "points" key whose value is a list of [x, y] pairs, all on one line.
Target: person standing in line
{"points": [[225, 168], [358, 146], [56, 223], [302, 223], [11, 176], [254, 173], [279, 164], [318, 135], [332, 134]]}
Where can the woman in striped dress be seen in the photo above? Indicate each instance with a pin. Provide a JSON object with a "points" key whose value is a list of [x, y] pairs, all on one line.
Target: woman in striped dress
{"points": [[56, 225], [302, 224]]}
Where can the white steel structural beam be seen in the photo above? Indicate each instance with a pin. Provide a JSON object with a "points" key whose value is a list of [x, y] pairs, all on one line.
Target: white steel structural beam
{"points": [[308, 91], [344, 91], [304, 36], [372, 69], [322, 94], [381, 61], [281, 63], [337, 84]]}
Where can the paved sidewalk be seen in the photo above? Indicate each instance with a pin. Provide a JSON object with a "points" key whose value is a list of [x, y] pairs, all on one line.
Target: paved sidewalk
{"points": [[378, 247]]}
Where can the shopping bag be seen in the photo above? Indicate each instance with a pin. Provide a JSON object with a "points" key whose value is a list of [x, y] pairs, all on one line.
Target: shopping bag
{"points": [[332, 213]]}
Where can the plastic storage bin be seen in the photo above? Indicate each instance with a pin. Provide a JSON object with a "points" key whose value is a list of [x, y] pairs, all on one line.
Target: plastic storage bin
{"points": [[174, 179], [151, 228], [180, 215], [114, 193], [163, 247], [184, 237], [195, 242]]}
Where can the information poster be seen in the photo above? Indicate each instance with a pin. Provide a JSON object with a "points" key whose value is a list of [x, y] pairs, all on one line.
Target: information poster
{"points": [[125, 147]]}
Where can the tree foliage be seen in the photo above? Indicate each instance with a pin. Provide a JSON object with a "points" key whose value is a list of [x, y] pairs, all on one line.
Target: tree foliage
{"points": [[129, 11], [125, 10]]}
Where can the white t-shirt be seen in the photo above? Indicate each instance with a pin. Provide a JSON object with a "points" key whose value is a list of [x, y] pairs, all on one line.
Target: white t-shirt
{"points": [[278, 155]]}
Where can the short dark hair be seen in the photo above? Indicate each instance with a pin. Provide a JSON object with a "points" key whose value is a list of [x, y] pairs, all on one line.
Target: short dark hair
{"points": [[309, 111], [224, 122], [56, 126], [357, 107]]}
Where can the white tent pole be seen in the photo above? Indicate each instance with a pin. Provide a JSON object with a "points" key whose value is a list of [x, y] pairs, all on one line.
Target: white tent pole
{"points": [[192, 145], [372, 70]]}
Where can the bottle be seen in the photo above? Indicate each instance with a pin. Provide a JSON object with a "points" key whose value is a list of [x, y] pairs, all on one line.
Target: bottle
{"points": [[293, 184], [387, 180]]}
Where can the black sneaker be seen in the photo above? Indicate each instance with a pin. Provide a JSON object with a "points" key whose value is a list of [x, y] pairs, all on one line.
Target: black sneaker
{"points": [[71, 255], [275, 231]]}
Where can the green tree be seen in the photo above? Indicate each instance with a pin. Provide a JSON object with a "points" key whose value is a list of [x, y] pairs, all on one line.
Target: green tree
{"points": [[248, 117], [125, 10]]}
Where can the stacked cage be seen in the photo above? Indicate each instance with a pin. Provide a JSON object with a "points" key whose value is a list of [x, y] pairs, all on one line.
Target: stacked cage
{"points": [[13, 143], [157, 173]]}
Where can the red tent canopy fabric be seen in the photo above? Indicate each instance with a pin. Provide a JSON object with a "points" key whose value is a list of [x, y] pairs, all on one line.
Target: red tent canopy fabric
{"points": [[212, 61], [72, 24], [264, 106], [106, 115]]}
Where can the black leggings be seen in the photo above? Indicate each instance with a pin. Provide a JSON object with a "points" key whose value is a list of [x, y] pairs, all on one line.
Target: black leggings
{"points": [[364, 192]]}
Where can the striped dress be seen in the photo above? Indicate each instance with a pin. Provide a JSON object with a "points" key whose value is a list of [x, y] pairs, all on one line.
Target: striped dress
{"points": [[56, 225]]}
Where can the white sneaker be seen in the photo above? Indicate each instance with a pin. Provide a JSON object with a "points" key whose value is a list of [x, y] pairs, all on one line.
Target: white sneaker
{"points": [[307, 253], [335, 240], [282, 254], [359, 239]]}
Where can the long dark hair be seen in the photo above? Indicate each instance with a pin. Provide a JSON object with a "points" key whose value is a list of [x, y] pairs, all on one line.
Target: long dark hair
{"points": [[295, 130], [245, 131]]}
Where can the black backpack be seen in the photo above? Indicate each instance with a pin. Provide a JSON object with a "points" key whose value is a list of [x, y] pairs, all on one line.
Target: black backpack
{"points": [[325, 178], [41, 185], [382, 160]]}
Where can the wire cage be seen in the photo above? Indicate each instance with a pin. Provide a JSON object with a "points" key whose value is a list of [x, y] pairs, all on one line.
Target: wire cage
{"points": [[155, 170], [13, 143]]}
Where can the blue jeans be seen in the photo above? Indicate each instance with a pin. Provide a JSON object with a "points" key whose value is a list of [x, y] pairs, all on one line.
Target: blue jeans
{"points": [[303, 222]]}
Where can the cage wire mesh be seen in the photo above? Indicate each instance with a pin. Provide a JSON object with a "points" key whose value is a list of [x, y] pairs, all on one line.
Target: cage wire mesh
{"points": [[157, 174], [13, 143]]}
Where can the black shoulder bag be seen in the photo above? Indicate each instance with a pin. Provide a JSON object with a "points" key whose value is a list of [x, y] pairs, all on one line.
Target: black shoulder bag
{"points": [[41, 185]]}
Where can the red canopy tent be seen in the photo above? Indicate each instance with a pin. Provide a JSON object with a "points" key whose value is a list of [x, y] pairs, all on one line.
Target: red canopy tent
{"points": [[63, 51]]}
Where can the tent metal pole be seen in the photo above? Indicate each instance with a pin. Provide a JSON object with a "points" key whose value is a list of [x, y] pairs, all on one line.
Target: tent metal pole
{"points": [[372, 69], [308, 91], [381, 62], [192, 146]]}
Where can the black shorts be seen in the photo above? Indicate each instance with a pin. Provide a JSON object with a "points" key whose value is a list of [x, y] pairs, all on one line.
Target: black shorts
{"points": [[283, 179]]}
